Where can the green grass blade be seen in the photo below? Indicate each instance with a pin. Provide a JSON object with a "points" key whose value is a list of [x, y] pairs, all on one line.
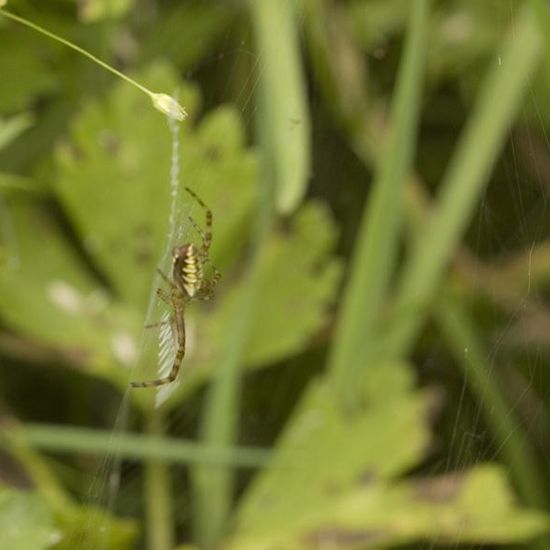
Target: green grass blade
{"points": [[286, 113], [11, 129], [541, 10], [13, 440], [499, 100], [213, 486], [158, 503], [158, 498], [287, 154], [378, 238], [63, 439]]}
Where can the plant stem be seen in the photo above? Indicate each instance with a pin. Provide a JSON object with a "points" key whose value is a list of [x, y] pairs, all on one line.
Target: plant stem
{"points": [[469, 170], [376, 249], [80, 50], [35, 466], [162, 102], [64, 439], [158, 498], [213, 485]]}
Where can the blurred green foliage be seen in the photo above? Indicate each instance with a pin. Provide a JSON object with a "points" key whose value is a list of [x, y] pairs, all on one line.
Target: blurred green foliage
{"points": [[26, 520], [358, 495], [296, 110]]}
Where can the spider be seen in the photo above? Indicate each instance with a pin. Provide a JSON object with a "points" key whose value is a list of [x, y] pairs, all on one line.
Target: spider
{"points": [[188, 283]]}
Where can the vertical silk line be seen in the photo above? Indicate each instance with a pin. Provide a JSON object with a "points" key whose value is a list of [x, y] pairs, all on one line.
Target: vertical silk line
{"points": [[167, 339], [174, 177]]}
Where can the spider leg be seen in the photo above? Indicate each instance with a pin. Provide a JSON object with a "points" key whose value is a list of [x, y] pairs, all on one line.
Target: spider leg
{"points": [[207, 233], [209, 285], [216, 275], [167, 300], [164, 296], [197, 228], [158, 324], [155, 325], [180, 354]]}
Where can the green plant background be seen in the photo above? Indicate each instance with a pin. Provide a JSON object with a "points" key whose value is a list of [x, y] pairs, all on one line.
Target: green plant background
{"points": [[371, 372]]}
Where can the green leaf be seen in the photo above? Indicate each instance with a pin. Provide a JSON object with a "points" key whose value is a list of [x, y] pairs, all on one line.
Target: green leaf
{"points": [[295, 310], [473, 507], [325, 453], [336, 480], [114, 180], [47, 294], [25, 521], [91, 527]]}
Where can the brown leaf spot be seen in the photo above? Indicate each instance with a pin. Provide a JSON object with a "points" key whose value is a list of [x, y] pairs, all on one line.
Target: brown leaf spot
{"points": [[339, 537], [440, 489], [368, 477]]}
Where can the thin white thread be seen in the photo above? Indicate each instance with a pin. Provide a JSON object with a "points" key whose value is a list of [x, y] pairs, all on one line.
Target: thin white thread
{"points": [[174, 176], [166, 337], [106, 483]]}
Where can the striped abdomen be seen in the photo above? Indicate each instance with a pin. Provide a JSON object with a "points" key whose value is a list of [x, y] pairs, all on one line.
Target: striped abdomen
{"points": [[188, 269]]}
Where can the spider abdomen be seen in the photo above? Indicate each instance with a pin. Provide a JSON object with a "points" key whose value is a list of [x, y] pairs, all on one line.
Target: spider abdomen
{"points": [[188, 269]]}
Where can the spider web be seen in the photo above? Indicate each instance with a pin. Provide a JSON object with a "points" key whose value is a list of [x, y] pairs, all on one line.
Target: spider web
{"points": [[105, 488], [168, 347], [167, 337], [468, 429]]}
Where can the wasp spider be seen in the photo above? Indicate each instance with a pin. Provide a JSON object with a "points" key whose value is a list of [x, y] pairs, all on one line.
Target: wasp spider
{"points": [[188, 283]]}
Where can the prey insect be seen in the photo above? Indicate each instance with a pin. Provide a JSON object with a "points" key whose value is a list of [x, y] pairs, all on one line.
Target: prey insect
{"points": [[187, 283]]}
